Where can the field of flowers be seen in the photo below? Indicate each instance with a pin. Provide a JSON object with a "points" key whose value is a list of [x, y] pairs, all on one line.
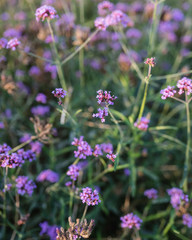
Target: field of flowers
{"points": [[95, 119]]}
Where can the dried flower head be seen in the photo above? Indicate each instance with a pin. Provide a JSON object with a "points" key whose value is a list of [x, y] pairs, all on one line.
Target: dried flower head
{"points": [[45, 12]]}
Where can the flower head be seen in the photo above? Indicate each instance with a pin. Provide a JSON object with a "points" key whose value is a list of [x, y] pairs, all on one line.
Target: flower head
{"points": [[187, 220], [105, 7], [185, 85], [3, 43], [111, 156], [105, 98], [13, 43], [151, 193], [45, 12], [142, 124], [102, 113], [89, 196], [83, 148], [130, 221], [48, 175], [100, 23], [24, 185], [73, 172], [59, 93], [150, 61], [41, 98], [177, 196], [168, 92]]}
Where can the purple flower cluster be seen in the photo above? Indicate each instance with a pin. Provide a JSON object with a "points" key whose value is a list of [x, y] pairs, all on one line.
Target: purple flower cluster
{"points": [[24, 185], [130, 221], [83, 148], [89, 196], [104, 100], [59, 93], [48, 175], [177, 197], [115, 18], [4, 148], [105, 8], [11, 161], [48, 230], [187, 220], [111, 156], [41, 98], [97, 150], [45, 12], [73, 172], [142, 124], [40, 110], [151, 193], [3, 43]]}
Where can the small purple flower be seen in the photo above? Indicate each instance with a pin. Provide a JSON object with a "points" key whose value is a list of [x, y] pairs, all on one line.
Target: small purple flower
{"points": [[130, 221], [7, 187], [168, 92], [117, 17], [11, 161], [26, 155], [142, 124], [127, 172], [83, 148], [12, 33], [40, 110], [20, 16], [177, 196], [4, 148], [97, 150], [34, 71], [105, 8], [24, 185], [100, 23], [59, 93], [25, 138], [73, 172], [187, 220], [151, 193], [111, 156], [89, 196], [68, 184], [105, 98], [102, 113], [36, 147], [45, 12], [185, 85], [3, 43], [48, 175], [41, 98], [177, 15], [48, 230], [51, 69], [107, 147], [13, 43], [2, 126]]}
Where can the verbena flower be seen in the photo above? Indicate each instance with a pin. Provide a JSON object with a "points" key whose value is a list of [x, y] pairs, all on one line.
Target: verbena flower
{"points": [[34, 71], [11, 161], [177, 196], [40, 110], [105, 7], [107, 147], [4, 148], [83, 148], [130, 221], [24, 185], [48, 230], [97, 150], [89, 196], [48, 175], [13, 43], [105, 98], [151, 193], [187, 220], [111, 156], [59, 93], [68, 184], [41, 98], [36, 147], [45, 12], [117, 17], [100, 23], [142, 124], [73, 172], [168, 92], [27, 155], [185, 85], [102, 113], [150, 61]]}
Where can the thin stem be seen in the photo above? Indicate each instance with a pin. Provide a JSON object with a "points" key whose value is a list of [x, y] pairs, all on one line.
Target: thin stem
{"points": [[79, 48], [39, 57], [187, 164], [117, 124], [22, 144], [179, 100], [58, 62], [170, 223], [84, 213]]}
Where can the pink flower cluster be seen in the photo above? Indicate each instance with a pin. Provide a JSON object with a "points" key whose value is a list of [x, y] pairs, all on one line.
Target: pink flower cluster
{"points": [[13, 43], [130, 221], [89, 196], [59, 93], [83, 148], [142, 124], [105, 7], [111, 156], [45, 12], [150, 61], [184, 85]]}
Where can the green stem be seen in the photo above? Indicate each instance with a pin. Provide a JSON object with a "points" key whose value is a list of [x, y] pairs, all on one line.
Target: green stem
{"points": [[79, 48], [143, 102], [84, 213], [58, 62], [71, 198], [170, 223], [22, 144], [117, 124], [187, 164]]}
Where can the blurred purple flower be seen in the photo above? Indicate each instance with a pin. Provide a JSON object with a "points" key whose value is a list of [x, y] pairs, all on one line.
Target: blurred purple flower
{"points": [[48, 175], [130, 221], [24, 185], [41, 98], [40, 110]]}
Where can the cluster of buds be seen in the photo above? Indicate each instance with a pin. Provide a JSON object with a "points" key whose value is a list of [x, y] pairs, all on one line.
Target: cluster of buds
{"points": [[142, 124], [150, 61], [59, 93], [76, 230], [13, 43], [45, 12]]}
